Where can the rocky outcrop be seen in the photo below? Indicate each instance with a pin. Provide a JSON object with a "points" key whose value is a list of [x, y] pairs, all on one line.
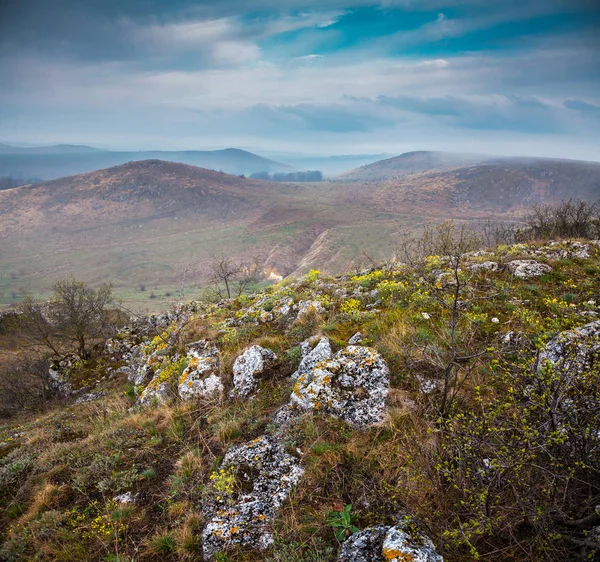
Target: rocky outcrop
{"points": [[58, 373], [400, 543], [528, 269], [252, 483], [201, 378], [247, 367], [353, 386]]}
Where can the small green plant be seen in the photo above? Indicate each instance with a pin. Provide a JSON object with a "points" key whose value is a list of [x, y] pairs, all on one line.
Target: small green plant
{"points": [[341, 522], [148, 473]]}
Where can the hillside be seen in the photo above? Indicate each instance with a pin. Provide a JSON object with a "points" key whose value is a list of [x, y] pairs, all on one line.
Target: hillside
{"points": [[51, 162], [412, 163], [356, 418], [155, 223]]}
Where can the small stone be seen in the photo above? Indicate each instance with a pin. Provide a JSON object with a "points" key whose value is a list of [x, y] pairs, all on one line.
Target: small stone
{"points": [[356, 339]]}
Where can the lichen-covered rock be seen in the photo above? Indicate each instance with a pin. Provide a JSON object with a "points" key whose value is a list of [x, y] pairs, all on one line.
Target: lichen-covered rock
{"points": [[353, 386], [254, 361], [156, 392], [307, 307], [527, 269], [201, 379], [252, 483], [58, 373], [321, 352], [574, 349], [355, 339], [400, 543], [485, 266]]}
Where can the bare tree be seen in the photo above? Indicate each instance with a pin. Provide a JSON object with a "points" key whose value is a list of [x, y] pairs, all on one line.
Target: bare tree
{"points": [[231, 277], [75, 316], [80, 313], [438, 257]]}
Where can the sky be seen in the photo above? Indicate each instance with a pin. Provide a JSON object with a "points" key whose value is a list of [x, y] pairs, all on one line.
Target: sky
{"points": [[315, 77]]}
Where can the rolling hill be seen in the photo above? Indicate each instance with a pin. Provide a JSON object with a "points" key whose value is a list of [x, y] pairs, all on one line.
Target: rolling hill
{"points": [[156, 224], [51, 162]]}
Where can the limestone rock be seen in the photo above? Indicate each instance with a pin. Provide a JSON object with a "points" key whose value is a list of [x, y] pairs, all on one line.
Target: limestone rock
{"points": [[527, 269], [306, 307], [352, 385], [59, 375], [485, 266], [400, 543], [201, 379], [321, 352], [574, 349], [157, 392], [252, 483], [254, 361], [355, 339]]}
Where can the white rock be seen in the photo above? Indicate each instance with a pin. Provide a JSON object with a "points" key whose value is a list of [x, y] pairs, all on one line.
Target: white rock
{"points": [[353, 386], [355, 339], [241, 511], [321, 352], [400, 543], [201, 379], [527, 269], [254, 361]]}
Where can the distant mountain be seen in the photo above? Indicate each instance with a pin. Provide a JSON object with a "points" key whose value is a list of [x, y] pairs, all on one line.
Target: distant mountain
{"points": [[148, 222], [330, 165], [413, 163], [51, 162], [53, 149]]}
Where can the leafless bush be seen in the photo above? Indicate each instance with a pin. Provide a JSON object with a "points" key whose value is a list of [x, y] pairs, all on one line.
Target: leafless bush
{"points": [[569, 219]]}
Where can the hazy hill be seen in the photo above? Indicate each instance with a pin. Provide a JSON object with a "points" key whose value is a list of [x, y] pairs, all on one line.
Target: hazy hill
{"points": [[157, 223], [51, 162], [413, 163]]}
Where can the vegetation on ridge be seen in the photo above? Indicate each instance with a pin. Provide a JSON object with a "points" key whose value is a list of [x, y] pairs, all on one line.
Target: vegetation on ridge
{"points": [[494, 451]]}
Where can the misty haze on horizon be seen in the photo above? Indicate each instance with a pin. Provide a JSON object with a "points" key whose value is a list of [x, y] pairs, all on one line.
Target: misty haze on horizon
{"points": [[295, 79]]}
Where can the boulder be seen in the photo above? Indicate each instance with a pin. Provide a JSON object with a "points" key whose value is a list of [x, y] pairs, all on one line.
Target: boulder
{"points": [[254, 361], [401, 543], [252, 483], [574, 349], [353, 386], [201, 378], [321, 352], [527, 269]]}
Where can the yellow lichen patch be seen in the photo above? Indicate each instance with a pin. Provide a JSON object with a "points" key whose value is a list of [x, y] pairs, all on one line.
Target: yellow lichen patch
{"points": [[397, 555]]}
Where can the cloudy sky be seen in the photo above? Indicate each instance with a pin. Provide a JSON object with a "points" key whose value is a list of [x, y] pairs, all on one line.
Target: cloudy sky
{"points": [[318, 77]]}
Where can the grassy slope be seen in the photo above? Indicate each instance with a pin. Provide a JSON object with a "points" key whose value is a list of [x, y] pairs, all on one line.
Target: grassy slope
{"points": [[142, 224], [60, 471]]}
